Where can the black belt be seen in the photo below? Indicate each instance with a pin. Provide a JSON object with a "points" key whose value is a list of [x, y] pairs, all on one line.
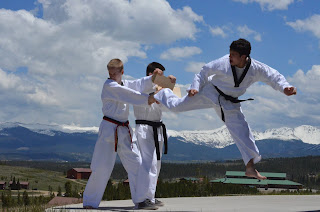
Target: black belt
{"points": [[155, 125], [229, 98], [118, 123]]}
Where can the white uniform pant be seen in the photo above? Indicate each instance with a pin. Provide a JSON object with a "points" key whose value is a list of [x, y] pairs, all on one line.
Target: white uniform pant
{"points": [[234, 118], [150, 166], [103, 161]]}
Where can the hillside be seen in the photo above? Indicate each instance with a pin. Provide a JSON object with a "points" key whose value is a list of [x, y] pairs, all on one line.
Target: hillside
{"points": [[305, 170], [39, 179]]}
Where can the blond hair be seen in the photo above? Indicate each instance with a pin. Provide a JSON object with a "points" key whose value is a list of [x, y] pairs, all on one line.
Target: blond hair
{"points": [[115, 63]]}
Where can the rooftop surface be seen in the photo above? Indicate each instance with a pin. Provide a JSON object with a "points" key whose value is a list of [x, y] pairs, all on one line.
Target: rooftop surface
{"points": [[266, 203], [267, 174], [254, 181]]}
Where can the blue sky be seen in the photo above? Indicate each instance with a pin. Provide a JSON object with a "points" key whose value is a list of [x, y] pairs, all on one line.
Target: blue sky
{"points": [[53, 55]]}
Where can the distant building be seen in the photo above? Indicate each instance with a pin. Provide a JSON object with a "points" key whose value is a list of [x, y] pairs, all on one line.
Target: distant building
{"points": [[79, 173], [274, 180], [2, 185], [23, 185], [126, 182]]}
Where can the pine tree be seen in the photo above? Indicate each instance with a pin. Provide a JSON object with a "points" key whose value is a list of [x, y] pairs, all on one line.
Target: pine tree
{"points": [[75, 192], [68, 188], [109, 191], [19, 200], [26, 199], [18, 186], [51, 193], [59, 192], [3, 200], [14, 184]]}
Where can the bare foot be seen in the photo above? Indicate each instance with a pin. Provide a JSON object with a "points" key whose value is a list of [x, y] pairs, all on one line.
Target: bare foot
{"points": [[87, 207], [251, 172]]}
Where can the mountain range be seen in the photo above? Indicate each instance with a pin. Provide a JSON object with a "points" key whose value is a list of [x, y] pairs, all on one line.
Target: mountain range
{"points": [[20, 141]]}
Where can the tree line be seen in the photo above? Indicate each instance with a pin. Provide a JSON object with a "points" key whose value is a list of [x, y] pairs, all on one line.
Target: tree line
{"points": [[35, 202], [304, 170]]}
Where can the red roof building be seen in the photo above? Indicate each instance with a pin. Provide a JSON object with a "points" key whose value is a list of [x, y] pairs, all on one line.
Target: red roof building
{"points": [[23, 185], [79, 173], [126, 182]]}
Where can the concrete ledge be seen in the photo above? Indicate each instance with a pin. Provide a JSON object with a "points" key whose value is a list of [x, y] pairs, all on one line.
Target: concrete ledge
{"points": [[267, 203]]}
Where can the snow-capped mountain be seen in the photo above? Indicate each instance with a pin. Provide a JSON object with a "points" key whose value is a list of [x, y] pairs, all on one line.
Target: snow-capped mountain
{"points": [[20, 141], [217, 138], [49, 129], [220, 138]]}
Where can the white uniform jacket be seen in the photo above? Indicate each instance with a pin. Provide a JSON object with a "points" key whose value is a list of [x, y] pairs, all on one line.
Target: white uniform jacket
{"points": [[150, 113], [116, 99], [219, 73]]}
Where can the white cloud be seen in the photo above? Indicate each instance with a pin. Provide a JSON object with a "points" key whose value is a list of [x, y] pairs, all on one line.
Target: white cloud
{"points": [[218, 31], [194, 67], [270, 4], [257, 37], [232, 30], [179, 53], [308, 82], [25, 99], [65, 53], [42, 97], [245, 31], [310, 24], [8, 81], [145, 22], [290, 61]]}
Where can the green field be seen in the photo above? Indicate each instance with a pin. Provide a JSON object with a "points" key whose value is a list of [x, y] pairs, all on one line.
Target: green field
{"points": [[38, 179]]}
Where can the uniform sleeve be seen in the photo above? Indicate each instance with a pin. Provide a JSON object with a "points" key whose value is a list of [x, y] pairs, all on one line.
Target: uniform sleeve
{"points": [[140, 85], [201, 78], [272, 77], [116, 92]]}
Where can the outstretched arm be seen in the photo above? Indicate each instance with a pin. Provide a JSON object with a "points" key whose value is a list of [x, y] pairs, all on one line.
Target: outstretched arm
{"points": [[114, 91], [273, 78], [201, 78], [143, 84]]}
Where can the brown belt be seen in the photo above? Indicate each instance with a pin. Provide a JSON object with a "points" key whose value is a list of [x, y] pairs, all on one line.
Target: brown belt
{"points": [[119, 124]]}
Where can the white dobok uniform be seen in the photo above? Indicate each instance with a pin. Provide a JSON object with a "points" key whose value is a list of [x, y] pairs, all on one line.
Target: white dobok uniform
{"points": [[219, 73], [150, 166], [116, 99]]}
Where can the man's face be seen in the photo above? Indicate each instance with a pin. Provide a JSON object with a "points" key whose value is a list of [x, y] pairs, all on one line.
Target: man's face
{"points": [[114, 73], [235, 58]]}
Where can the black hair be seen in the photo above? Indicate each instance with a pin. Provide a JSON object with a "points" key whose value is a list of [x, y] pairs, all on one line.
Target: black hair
{"points": [[242, 46], [152, 66]]}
